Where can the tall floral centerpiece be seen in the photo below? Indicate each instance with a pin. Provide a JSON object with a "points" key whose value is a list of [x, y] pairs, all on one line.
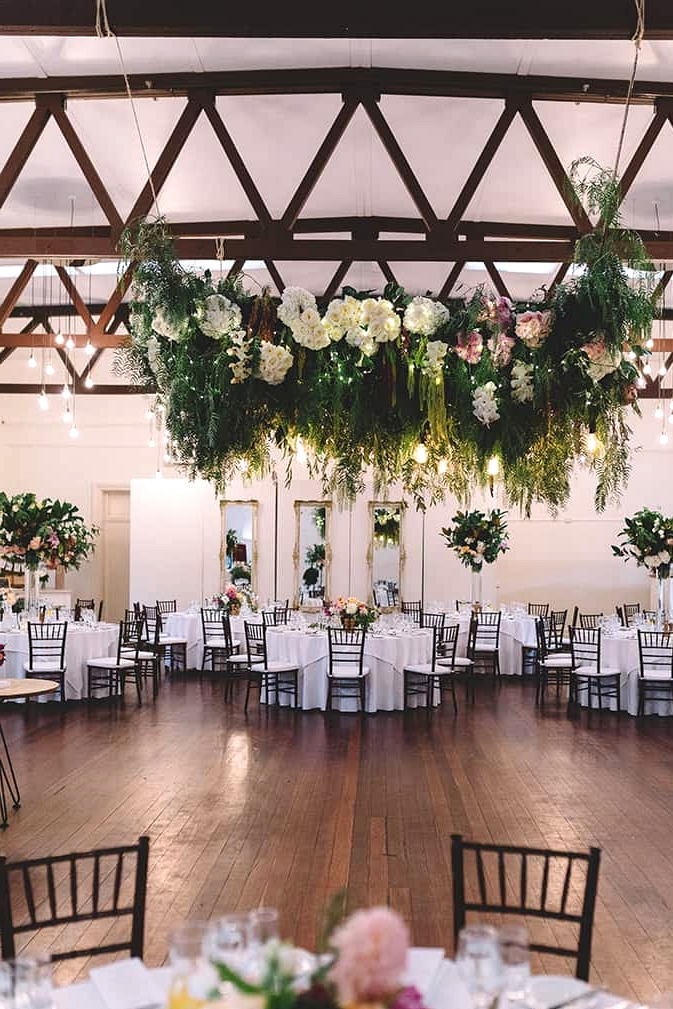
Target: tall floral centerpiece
{"points": [[477, 538], [648, 539], [42, 533]]}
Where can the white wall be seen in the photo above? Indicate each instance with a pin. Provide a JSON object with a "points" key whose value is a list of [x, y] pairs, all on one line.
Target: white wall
{"points": [[175, 531]]}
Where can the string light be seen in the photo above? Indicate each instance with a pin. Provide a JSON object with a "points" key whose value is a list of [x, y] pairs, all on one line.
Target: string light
{"points": [[662, 370], [493, 467], [149, 414], [89, 349], [592, 443], [67, 416], [43, 401], [88, 382], [32, 363], [65, 391], [49, 368], [659, 413], [647, 370], [421, 454], [73, 432], [631, 356], [301, 452], [663, 438], [70, 343], [641, 383], [151, 442], [649, 343], [442, 467], [59, 339]]}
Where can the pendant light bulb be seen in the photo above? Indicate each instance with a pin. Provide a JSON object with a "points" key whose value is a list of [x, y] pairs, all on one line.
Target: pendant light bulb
{"points": [[88, 382], [641, 383], [493, 467], [649, 343], [43, 401], [647, 370], [149, 414], [59, 339], [442, 467], [663, 438], [70, 343], [49, 369], [421, 454], [32, 363], [65, 391], [592, 443], [73, 432], [631, 356], [302, 458], [89, 349], [67, 416], [662, 370], [659, 413], [151, 443]]}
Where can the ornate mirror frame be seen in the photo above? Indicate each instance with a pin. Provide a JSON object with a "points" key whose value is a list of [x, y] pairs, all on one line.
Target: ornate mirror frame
{"points": [[296, 556], [373, 505], [224, 504]]}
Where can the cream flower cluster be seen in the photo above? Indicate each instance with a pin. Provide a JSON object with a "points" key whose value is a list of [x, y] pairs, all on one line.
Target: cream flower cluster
{"points": [[382, 321], [274, 362], [239, 352], [533, 327], [485, 405], [342, 315], [217, 316], [424, 316], [166, 327], [522, 382], [433, 361], [299, 311]]}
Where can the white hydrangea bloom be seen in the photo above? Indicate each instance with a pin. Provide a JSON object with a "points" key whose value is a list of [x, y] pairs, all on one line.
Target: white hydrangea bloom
{"points": [[309, 331], [217, 316], [485, 405], [165, 327], [274, 362], [342, 314], [239, 352], [604, 363], [293, 302], [433, 362], [424, 316], [522, 382], [361, 339], [382, 321]]}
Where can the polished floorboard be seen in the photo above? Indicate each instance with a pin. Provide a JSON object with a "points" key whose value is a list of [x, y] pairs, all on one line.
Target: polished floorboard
{"points": [[286, 808]]}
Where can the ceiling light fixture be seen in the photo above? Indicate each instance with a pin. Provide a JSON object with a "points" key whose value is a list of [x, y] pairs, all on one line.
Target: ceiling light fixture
{"points": [[32, 363], [43, 401], [59, 339]]}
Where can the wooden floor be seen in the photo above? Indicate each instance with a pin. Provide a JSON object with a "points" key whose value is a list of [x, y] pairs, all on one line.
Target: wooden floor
{"points": [[285, 808]]}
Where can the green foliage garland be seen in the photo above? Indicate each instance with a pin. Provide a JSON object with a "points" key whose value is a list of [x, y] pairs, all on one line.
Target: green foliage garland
{"points": [[364, 380]]}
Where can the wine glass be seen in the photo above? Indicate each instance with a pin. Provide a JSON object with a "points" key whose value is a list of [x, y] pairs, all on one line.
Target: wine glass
{"points": [[192, 978], [515, 957], [479, 964], [226, 940]]}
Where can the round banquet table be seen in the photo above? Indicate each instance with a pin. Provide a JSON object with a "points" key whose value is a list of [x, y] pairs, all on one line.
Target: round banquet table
{"points": [[620, 651], [14, 690], [516, 633], [386, 655], [82, 643], [188, 626]]}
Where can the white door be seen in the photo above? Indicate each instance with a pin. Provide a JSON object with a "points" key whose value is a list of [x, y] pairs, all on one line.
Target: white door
{"points": [[115, 536]]}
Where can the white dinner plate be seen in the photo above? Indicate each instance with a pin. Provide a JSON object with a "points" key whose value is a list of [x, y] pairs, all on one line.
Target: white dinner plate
{"points": [[550, 989]]}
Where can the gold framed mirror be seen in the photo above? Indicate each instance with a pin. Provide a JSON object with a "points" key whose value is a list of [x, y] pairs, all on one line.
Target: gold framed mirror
{"points": [[386, 554], [238, 549], [312, 552]]}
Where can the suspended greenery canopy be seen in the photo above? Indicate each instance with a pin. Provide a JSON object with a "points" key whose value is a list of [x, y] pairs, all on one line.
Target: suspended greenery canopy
{"points": [[484, 385]]}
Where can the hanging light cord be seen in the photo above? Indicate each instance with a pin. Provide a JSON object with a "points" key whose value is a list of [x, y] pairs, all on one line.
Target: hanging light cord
{"points": [[103, 30], [637, 39]]}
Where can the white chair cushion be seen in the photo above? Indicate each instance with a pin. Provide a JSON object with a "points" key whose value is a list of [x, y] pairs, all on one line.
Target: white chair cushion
{"points": [[43, 667], [657, 674], [147, 656], [281, 667], [110, 663], [557, 662], [216, 642], [460, 660], [421, 669], [590, 670], [165, 639], [347, 672], [238, 659]]}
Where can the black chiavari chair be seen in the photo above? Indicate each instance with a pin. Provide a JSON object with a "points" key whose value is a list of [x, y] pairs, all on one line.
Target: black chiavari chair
{"points": [[588, 673], [655, 674]]}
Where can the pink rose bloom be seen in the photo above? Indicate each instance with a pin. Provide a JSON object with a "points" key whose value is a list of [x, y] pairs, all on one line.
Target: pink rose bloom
{"points": [[500, 347], [371, 951], [533, 327], [471, 349], [504, 311]]}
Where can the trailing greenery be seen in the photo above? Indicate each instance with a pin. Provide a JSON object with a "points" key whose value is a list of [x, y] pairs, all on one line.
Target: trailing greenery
{"points": [[362, 381]]}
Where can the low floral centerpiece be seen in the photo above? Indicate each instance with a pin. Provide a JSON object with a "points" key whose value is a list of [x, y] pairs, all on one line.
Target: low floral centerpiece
{"points": [[477, 538], [353, 613], [363, 968], [647, 538], [231, 599]]}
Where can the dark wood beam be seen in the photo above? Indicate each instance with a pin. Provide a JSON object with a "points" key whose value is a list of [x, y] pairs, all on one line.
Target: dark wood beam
{"points": [[317, 166], [236, 267], [481, 165], [274, 272], [16, 290], [24, 388], [104, 340], [447, 286], [574, 19], [404, 169], [337, 80], [113, 304], [497, 281], [334, 284], [75, 297], [559, 277], [236, 161], [23, 148], [643, 149], [386, 271]]}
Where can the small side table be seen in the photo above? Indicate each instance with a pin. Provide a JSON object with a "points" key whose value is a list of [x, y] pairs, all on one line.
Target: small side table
{"points": [[15, 690]]}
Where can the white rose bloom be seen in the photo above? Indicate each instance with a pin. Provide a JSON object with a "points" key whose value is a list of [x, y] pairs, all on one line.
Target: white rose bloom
{"points": [[274, 363], [217, 316], [651, 561], [522, 382], [294, 301], [485, 405], [313, 337], [664, 557], [362, 340], [351, 609], [342, 314], [424, 316], [165, 327], [381, 319], [153, 357], [605, 364]]}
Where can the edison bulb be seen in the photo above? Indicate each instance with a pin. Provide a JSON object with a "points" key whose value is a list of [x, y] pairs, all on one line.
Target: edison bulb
{"points": [[244, 465], [167, 457], [73, 432], [151, 443], [301, 452], [649, 343], [70, 343], [658, 413], [662, 370], [59, 339], [89, 349], [32, 363], [88, 382], [663, 438], [592, 442], [67, 416], [647, 370], [43, 401], [631, 356], [493, 467], [442, 467], [149, 414], [641, 383], [421, 454], [670, 418], [65, 391], [158, 474], [49, 370]]}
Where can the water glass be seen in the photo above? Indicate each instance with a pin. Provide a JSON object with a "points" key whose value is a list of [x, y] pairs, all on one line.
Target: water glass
{"points": [[515, 956], [479, 964], [226, 940], [193, 978], [263, 926], [25, 983]]}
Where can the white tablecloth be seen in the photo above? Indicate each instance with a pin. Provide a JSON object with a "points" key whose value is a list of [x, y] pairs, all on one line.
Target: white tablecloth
{"points": [[620, 651], [188, 626], [516, 633], [385, 655], [82, 643]]}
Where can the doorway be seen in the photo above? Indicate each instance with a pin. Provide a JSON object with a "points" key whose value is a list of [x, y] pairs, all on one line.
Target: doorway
{"points": [[115, 539]]}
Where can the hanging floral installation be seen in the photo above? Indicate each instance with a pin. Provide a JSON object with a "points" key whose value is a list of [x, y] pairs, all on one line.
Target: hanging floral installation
{"points": [[482, 386]]}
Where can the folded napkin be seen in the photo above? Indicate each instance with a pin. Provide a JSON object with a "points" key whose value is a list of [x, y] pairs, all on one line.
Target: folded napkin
{"points": [[127, 984], [423, 965], [447, 990]]}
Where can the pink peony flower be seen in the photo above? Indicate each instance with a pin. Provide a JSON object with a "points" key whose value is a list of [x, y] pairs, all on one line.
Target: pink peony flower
{"points": [[500, 347], [371, 951], [533, 327], [470, 350]]}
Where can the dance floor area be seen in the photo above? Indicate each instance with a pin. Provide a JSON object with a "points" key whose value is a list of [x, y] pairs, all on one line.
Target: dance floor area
{"points": [[285, 808]]}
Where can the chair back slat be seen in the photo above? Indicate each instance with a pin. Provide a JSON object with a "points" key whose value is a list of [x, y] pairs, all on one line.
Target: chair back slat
{"points": [[585, 646], [46, 644], [559, 618], [589, 621], [541, 872], [167, 605], [23, 907], [538, 609], [630, 610], [413, 609], [346, 648], [655, 651], [449, 644], [255, 640]]}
